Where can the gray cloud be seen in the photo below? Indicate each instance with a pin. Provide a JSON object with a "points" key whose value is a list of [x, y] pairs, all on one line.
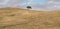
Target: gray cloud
{"points": [[51, 4]]}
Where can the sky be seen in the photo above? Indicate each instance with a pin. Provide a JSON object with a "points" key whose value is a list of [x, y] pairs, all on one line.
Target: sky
{"points": [[35, 4]]}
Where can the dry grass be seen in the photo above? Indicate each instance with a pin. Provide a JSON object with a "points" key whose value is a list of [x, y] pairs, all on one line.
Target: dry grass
{"points": [[15, 18]]}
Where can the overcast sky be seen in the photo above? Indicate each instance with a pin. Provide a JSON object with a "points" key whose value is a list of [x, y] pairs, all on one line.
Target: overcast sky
{"points": [[36, 4]]}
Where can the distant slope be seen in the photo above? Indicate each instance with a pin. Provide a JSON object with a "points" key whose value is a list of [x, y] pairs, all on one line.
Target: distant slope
{"points": [[16, 18]]}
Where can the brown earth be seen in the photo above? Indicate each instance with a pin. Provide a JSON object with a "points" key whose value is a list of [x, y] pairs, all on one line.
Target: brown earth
{"points": [[15, 18]]}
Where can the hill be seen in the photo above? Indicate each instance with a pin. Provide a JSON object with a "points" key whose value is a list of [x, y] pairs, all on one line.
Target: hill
{"points": [[16, 18]]}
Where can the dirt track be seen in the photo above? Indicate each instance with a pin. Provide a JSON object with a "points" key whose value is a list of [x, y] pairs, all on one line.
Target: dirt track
{"points": [[15, 18]]}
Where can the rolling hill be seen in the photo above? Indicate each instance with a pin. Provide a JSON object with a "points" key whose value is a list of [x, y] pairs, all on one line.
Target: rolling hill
{"points": [[16, 18]]}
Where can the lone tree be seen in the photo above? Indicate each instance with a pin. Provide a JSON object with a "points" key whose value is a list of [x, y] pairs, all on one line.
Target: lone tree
{"points": [[29, 7]]}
